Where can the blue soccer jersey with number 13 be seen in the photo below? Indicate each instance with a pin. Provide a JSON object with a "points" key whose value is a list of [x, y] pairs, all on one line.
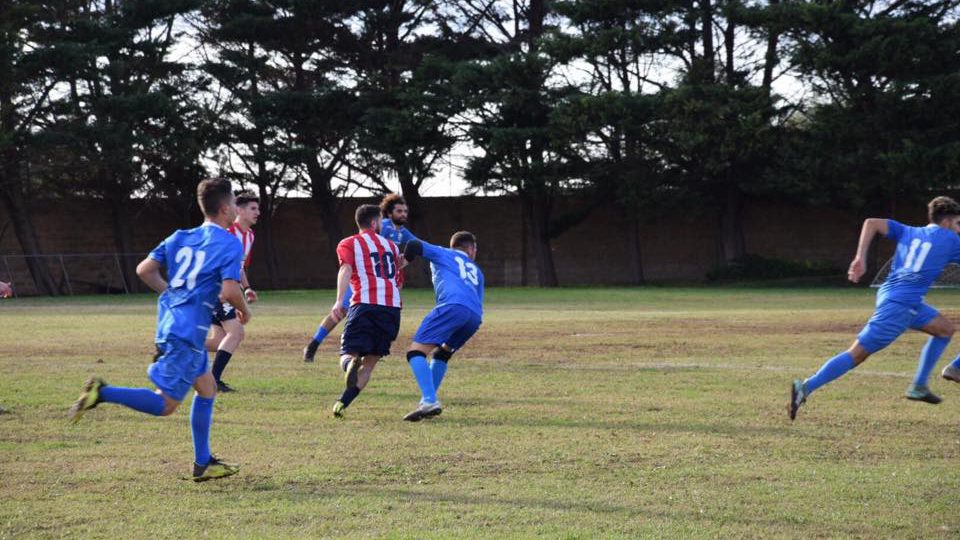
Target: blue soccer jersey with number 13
{"points": [[198, 260], [456, 279], [922, 254]]}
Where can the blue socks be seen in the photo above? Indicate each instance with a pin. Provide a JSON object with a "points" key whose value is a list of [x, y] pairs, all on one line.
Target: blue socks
{"points": [[201, 417], [320, 335], [832, 370], [424, 376], [438, 368], [138, 399], [928, 358]]}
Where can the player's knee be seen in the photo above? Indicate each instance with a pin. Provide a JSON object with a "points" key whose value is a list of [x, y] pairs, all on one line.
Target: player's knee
{"points": [[169, 407], [947, 330]]}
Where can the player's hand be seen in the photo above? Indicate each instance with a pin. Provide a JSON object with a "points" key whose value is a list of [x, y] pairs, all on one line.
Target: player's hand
{"points": [[857, 269], [6, 291], [244, 316], [251, 296], [337, 313], [402, 262]]}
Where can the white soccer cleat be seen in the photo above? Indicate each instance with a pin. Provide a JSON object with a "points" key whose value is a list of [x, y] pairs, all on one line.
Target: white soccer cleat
{"points": [[951, 373], [425, 410]]}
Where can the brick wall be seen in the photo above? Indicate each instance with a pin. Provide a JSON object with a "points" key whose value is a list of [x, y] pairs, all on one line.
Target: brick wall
{"points": [[597, 251]]}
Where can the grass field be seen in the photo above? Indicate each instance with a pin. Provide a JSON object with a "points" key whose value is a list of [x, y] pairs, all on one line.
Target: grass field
{"points": [[574, 413]]}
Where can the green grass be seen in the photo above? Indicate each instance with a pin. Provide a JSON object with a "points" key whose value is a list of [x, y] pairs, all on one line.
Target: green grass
{"points": [[574, 413]]}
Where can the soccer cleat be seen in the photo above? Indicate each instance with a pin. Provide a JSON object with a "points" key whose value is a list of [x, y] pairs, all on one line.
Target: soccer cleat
{"points": [[922, 393], [425, 410], [310, 350], [951, 373], [798, 395], [338, 409], [351, 367], [224, 387], [214, 469], [89, 398]]}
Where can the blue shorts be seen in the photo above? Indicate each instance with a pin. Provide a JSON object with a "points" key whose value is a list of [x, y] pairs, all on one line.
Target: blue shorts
{"points": [[452, 325], [892, 319], [370, 329], [176, 368]]}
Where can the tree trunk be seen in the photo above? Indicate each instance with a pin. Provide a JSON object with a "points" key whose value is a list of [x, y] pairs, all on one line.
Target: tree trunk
{"points": [[770, 57], [732, 245], [327, 204], [537, 208], [265, 232], [636, 244], [27, 236], [411, 192], [123, 241]]}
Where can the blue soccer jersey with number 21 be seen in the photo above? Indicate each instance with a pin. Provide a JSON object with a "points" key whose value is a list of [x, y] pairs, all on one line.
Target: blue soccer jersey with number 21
{"points": [[198, 260]]}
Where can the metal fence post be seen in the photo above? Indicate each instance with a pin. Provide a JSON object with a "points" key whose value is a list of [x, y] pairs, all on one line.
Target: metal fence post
{"points": [[66, 276], [123, 280]]}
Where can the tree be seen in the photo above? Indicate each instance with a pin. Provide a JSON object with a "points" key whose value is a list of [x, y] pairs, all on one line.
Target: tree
{"points": [[29, 60]]}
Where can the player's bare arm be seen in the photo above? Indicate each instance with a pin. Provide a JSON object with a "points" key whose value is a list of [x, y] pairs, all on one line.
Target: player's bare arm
{"points": [[871, 228], [233, 294], [149, 272], [343, 283], [249, 293]]}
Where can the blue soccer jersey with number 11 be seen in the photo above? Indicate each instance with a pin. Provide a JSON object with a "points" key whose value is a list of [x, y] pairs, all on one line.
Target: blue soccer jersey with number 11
{"points": [[922, 254], [198, 261], [456, 279]]}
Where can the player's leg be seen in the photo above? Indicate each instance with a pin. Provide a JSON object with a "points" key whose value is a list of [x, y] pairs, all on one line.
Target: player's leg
{"points": [[206, 466], [884, 327], [459, 338], [941, 330], [350, 364], [233, 337], [435, 328], [165, 374], [326, 326], [215, 336]]}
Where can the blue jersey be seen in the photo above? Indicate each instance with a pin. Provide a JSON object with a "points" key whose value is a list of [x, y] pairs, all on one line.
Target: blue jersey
{"points": [[456, 279], [398, 235], [198, 261], [922, 254]]}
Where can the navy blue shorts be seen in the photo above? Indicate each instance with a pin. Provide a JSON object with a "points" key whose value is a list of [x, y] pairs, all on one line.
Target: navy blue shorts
{"points": [[370, 329], [892, 319], [223, 312], [451, 325]]}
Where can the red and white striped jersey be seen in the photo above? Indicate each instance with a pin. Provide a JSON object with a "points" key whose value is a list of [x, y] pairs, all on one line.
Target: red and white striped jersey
{"points": [[376, 278], [246, 239]]}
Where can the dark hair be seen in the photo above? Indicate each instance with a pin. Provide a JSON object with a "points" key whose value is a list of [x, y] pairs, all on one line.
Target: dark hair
{"points": [[212, 194], [463, 239], [389, 201], [942, 207], [247, 197], [366, 215]]}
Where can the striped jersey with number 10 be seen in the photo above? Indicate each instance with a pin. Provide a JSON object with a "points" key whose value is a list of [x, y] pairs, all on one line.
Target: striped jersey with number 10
{"points": [[376, 278]]}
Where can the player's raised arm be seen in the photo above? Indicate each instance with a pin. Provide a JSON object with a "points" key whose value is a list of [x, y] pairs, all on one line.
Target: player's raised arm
{"points": [[149, 272], [871, 227]]}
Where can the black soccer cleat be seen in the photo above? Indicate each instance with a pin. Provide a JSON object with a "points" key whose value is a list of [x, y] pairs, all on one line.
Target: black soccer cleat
{"points": [[798, 395], [922, 393], [310, 351], [223, 387]]}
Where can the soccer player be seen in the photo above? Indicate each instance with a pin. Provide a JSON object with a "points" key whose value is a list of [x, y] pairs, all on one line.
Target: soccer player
{"points": [[226, 332], [922, 253], [371, 265], [6, 291], [202, 264], [393, 209], [458, 284]]}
